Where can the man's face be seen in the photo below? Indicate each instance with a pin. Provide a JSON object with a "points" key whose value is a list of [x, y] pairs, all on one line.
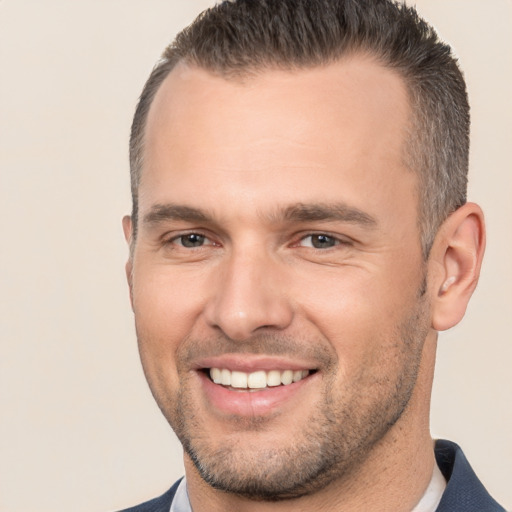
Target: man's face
{"points": [[278, 241]]}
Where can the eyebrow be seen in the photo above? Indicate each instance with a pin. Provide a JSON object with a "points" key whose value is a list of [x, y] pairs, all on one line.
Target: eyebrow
{"points": [[340, 212], [299, 212], [166, 212]]}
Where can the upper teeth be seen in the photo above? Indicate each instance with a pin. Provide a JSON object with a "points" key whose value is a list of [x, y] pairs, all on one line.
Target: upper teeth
{"points": [[256, 380]]}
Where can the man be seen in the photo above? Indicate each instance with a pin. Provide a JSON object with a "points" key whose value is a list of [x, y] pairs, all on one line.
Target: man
{"points": [[299, 235]]}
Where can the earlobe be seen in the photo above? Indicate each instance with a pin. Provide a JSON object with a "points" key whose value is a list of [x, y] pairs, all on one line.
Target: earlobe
{"points": [[458, 251]]}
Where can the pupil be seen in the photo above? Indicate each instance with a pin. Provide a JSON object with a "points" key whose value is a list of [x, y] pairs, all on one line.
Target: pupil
{"points": [[192, 240], [322, 241]]}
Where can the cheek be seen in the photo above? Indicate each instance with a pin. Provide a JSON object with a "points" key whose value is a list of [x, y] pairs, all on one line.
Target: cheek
{"points": [[166, 306], [166, 302], [359, 312]]}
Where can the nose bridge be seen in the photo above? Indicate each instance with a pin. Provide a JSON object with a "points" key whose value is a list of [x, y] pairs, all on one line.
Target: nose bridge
{"points": [[249, 295]]}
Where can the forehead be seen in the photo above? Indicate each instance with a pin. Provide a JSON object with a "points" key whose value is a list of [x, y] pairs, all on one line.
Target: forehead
{"points": [[356, 86], [292, 132]]}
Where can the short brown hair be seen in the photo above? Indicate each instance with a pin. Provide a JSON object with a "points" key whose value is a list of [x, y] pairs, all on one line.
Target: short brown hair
{"points": [[239, 37]]}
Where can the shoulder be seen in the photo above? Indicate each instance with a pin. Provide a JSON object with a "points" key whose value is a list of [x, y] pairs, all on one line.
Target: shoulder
{"points": [[464, 491], [160, 504]]}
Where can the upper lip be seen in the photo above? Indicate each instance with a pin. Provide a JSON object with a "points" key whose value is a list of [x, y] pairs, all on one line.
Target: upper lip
{"points": [[248, 364]]}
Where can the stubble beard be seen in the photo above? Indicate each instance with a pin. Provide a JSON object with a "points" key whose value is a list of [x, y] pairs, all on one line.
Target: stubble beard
{"points": [[334, 440]]}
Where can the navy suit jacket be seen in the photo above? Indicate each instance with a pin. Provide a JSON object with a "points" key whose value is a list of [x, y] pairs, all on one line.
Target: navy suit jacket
{"points": [[464, 492]]}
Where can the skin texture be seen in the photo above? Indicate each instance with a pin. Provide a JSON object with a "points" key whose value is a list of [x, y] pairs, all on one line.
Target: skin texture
{"points": [[258, 169]]}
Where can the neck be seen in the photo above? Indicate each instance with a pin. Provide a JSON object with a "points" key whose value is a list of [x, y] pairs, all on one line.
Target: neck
{"points": [[392, 478]]}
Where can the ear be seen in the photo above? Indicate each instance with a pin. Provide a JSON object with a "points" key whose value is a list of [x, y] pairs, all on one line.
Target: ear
{"points": [[457, 255], [128, 232]]}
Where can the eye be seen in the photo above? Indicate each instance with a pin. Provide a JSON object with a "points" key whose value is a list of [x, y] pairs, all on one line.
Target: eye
{"points": [[190, 240], [319, 241], [188, 246]]}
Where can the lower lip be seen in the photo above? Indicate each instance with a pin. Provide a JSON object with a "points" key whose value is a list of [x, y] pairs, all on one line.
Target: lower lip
{"points": [[251, 402]]}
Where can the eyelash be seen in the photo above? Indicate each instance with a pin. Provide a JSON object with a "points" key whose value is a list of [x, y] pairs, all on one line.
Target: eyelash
{"points": [[176, 239], [336, 241]]}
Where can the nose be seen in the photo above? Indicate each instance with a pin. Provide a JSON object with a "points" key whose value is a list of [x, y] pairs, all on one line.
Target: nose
{"points": [[249, 295]]}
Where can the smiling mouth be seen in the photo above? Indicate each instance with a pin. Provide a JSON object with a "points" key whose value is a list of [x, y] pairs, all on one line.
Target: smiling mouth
{"points": [[256, 380]]}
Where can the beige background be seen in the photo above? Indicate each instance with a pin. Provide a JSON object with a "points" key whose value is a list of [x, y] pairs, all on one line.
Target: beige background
{"points": [[79, 430]]}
